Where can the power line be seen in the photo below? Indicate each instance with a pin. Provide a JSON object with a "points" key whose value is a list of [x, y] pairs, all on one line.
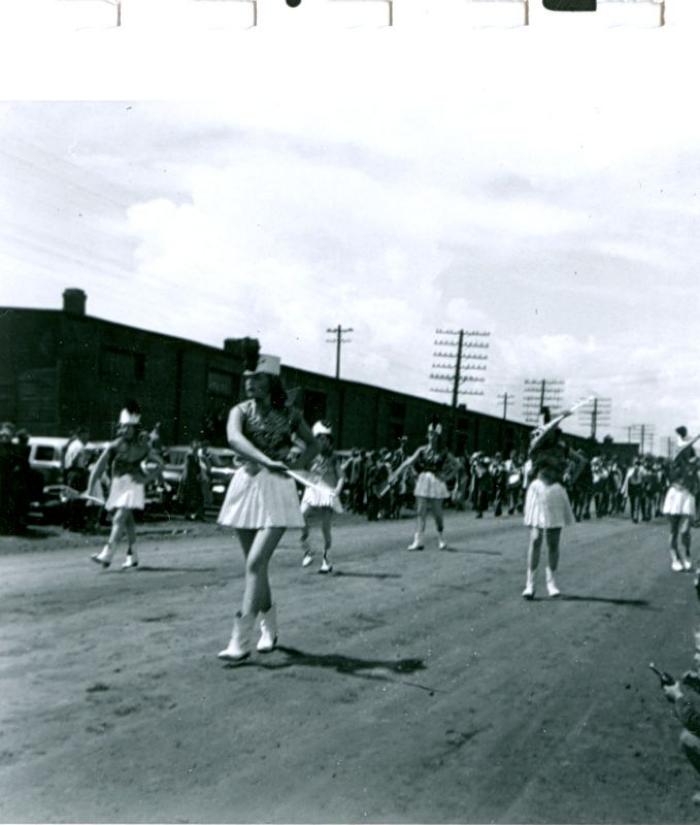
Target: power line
{"points": [[598, 412], [538, 393], [459, 365], [506, 397], [339, 341]]}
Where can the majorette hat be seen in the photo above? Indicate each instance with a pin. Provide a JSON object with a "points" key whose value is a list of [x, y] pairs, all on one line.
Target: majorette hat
{"points": [[255, 362], [130, 414], [321, 428]]}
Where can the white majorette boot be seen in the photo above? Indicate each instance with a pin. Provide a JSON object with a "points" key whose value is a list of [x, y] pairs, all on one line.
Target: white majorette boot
{"points": [[239, 646], [132, 559], [268, 630], [442, 544], [308, 553], [529, 592], [676, 563], [104, 557], [552, 589], [417, 542]]}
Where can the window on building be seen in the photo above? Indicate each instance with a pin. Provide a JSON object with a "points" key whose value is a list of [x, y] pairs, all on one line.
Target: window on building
{"points": [[125, 364], [314, 405], [220, 382]]}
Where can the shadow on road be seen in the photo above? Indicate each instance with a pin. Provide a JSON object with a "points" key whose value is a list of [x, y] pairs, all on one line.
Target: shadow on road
{"points": [[345, 665], [472, 552], [148, 568], [367, 575], [571, 597]]}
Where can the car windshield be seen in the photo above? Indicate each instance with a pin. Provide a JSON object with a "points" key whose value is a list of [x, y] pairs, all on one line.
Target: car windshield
{"points": [[222, 459]]}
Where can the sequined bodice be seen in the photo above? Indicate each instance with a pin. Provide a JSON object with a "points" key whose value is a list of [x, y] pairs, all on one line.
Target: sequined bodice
{"points": [[126, 458], [270, 431], [430, 461]]}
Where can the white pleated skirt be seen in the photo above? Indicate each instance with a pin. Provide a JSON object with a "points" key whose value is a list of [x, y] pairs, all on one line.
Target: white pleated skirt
{"points": [[320, 498], [679, 502], [124, 491], [547, 506], [260, 499], [430, 486]]}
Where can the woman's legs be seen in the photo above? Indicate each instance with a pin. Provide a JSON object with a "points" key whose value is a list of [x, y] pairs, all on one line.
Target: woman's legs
{"points": [[326, 521], [256, 595], [257, 546], [533, 561], [675, 524], [130, 527], [552, 537], [684, 531], [119, 525], [421, 515], [436, 510], [308, 555]]}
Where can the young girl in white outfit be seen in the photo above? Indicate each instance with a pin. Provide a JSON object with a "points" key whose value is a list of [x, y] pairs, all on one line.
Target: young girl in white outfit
{"points": [[124, 458], [325, 470], [262, 501]]}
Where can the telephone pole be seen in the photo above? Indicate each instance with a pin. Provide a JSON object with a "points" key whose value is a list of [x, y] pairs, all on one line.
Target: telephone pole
{"points": [[339, 331], [338, 341], [539, 393], [506, 397], [645, 433], [597, 412], [458, 364]]}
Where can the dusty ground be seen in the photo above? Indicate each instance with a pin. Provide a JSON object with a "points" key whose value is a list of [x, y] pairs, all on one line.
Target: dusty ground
{"points": [[410, 687]]}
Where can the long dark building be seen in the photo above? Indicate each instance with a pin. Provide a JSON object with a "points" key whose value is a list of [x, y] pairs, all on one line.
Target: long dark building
{"points": [[63, 367]]}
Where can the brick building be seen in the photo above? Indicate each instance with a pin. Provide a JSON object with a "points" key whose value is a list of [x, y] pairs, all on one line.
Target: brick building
{"points": [[63, 367]]}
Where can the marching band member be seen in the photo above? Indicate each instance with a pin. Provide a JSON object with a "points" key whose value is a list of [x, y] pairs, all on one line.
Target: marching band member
{"points": [[547, 507], [324, 468], [679, 504], [124, 458], [261, 501], [434, 465]]}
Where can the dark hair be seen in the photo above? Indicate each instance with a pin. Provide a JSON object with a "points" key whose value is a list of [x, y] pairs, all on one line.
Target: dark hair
{"points": [[278, 394], [682, 431]]}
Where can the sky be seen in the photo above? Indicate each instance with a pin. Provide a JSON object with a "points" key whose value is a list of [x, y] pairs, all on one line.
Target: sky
{"points": [[544, 192]]}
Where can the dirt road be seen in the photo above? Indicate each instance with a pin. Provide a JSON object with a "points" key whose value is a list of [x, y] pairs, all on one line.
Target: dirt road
{"points": [[409, 687]]}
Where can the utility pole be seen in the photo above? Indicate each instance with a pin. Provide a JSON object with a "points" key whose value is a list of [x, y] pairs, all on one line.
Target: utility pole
{"points": [[596, 412], [460, 364], [539, 393], [340, 395], [645, 432], [505, 397]]}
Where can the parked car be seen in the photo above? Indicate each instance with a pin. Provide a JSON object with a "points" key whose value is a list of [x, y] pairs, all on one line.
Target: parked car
{"points": [[222, 467], [46, 456]]}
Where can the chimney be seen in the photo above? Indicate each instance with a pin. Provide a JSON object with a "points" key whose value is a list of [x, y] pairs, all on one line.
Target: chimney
{"points": [[74, 301]]}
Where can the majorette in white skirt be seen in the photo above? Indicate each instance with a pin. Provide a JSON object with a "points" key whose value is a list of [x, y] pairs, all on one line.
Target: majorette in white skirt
{"points": [[679, 501], [429, 485], [125, 491], [257, 498], [547, 506], [313, 497]]}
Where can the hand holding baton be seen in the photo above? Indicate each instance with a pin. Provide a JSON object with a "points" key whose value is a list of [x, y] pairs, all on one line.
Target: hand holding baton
{"points": [[665, 678]]}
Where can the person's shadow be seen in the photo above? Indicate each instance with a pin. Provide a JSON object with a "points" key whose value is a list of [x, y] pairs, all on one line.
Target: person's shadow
{"points": [[377, 669], [572, 597]]}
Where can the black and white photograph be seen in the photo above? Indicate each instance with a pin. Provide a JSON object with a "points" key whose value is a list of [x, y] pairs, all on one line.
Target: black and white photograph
{"points": [[349, 412]]}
